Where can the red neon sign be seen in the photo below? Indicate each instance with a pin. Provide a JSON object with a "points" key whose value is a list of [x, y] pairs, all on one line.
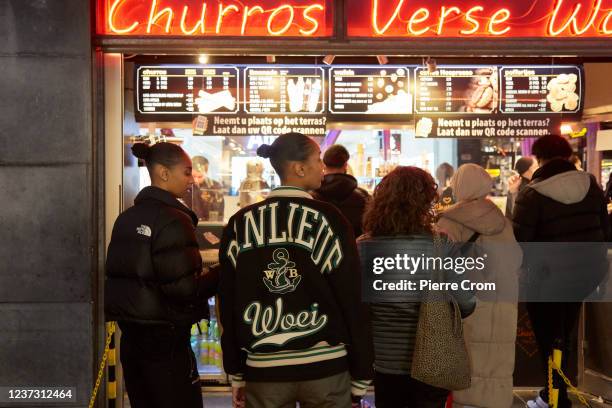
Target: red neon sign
{"points": [[247, 18], [364, 18], [492, 18]]}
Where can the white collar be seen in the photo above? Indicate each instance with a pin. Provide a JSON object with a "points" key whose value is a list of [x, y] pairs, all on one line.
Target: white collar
{"points": [[289, 191]]}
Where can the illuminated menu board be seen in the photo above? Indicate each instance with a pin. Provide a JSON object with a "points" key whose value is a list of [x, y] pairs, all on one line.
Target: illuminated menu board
{"points": [[187, 90], [284, 90], [530, 89], [457, 90], [370, 90]]}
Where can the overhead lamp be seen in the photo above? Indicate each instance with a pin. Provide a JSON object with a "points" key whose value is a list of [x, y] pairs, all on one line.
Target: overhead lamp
{"points": [[270, 59], [431, 64], [329, 59], [382, 59], [203, 59], [566, 129]]}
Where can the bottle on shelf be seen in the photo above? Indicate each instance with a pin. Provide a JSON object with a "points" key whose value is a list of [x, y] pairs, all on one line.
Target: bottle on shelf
{"points": [[204, 344]]}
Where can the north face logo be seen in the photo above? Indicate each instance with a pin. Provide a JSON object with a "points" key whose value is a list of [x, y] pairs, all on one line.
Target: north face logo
{"points": [[144, 230]]}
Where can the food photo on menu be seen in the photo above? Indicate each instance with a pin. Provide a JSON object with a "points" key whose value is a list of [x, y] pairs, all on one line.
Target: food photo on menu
{"points": [[482, 95], [391, 93], [211, 102], [304, 94], [562, 93]]}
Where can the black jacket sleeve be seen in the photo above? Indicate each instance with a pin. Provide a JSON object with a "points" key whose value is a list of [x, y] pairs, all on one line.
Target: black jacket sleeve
{"points": [[525, 216], [208, 282], [345, 282], [605, 218], [177, 262], [234, 359]]}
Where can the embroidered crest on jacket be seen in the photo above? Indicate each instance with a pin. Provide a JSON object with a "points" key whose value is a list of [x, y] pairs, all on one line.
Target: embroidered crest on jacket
{"points": [[281, 276]]}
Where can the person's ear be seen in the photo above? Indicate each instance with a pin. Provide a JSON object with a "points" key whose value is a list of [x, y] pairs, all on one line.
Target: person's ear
{"points": [[298, 169], [345, 167], [163, 173]]}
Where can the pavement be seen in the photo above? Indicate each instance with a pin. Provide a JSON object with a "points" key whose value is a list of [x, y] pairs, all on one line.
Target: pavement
{"points": [[217, 399]]}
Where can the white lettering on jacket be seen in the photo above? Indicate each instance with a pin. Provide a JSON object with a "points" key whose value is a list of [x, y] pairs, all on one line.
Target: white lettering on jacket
{"points": [[304, 227], [271, 326]]}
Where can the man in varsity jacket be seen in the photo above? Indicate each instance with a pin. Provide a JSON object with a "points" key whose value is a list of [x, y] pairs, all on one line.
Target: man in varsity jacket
{"points": [[294, 327]]}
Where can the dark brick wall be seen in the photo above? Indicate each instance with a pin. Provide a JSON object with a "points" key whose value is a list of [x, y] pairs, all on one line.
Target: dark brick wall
{"points": [[46, 244]]}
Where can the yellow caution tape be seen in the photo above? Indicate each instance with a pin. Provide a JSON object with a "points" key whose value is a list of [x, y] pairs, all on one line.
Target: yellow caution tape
{"points": [[112, 357], [111, 390], [109, 337], [573, 390]]}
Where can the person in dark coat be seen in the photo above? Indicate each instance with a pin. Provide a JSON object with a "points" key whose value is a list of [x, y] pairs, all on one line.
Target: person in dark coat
{"points": [[294, 326], [340, 188], [155, 289], [205, 195], [559, 205], [525, 167]]}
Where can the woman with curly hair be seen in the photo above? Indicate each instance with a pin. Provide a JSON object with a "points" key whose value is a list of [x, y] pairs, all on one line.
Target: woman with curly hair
{"points": [[399, 221]]}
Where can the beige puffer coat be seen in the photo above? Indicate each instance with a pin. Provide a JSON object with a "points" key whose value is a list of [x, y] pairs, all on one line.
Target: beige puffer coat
{"points": [[490, 332]]}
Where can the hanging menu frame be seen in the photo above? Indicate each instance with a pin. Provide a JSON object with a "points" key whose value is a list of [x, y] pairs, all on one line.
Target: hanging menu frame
{"points": [[376, 88], [578, 86], [287, 100], [359, 113], [230, 100]]}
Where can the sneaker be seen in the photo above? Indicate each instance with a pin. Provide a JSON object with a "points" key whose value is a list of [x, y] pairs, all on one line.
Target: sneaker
{"points": [[537, 403]]}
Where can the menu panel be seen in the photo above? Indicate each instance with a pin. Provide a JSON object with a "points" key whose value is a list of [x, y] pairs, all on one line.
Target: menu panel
{"points": [[484, 126], [370, 90], [530, 89], [284, 90], [457, 90], [173, 90]]}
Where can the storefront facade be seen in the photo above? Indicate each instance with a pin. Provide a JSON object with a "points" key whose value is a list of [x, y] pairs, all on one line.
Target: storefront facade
{"points": [[83, 56]]}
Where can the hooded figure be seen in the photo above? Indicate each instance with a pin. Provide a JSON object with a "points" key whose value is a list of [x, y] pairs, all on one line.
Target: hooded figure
{"points": [[490, 332], [561, 205]]}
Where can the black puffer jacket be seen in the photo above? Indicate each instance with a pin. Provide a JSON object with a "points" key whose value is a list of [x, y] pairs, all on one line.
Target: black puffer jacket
{"points": [[341, 190], [562, 205], [153, 264]]}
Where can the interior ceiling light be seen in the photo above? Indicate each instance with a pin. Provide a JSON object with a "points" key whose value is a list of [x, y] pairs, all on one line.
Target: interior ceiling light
{"points": [[329, 59], [382, 59], [203, 59], [270, 59]]}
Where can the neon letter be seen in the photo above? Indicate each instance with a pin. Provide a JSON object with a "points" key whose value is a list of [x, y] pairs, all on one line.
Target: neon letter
{"points": [[154, 17], [472, 20], [111, 18], [496, 18], [275, 13], [443, 13], [415, 20], [199, 23], [222, 11], [604, 24], [315, 23], [572, 19], [247, 14], [375, 17]]}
